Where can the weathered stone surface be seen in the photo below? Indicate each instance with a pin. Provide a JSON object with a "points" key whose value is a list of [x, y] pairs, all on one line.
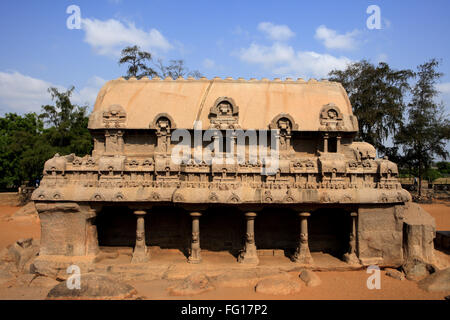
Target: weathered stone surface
{"points": [[56, 266], [194, 284], [310, 278], [5, 256], [420, 230], [416, 269], [393, 273], [243, 278], [6, 274], [283, 285], [380, 236], [93, 287], [22, 251], [438, 281], [24, 280], [28, 210], [45, 282]]}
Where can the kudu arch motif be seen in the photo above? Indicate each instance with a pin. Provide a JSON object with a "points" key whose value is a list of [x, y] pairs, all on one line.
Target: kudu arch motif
{"points": [[319, 167]]}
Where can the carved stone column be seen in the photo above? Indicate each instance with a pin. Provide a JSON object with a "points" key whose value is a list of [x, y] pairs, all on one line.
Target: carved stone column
{"points": [[91, 233], [351, 257], [302, 254], [140, 253], [338, 144], [195, 256], [325, 142], [249, 255]]}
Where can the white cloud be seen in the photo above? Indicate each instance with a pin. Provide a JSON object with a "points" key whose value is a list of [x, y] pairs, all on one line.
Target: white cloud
{"points": [[109, 37], [283, 60], [21, 93], [332, 40], [276, 32]]}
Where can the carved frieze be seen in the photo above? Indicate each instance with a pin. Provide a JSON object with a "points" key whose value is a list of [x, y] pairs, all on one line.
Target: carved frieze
{"points": [[224, 114], [331, 118], [114, 117]]}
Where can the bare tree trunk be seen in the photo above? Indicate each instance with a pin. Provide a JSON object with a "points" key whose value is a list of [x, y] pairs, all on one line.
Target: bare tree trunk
{"points": [[420, 180]]}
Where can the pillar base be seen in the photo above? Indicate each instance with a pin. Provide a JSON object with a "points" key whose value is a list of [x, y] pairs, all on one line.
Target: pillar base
{"points": [[351, 258], [303, 256], [194, 260], [249, 256], [140, 256]]}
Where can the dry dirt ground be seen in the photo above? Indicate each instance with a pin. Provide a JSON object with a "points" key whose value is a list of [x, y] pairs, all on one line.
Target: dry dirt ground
{"points": [[335, 284]]}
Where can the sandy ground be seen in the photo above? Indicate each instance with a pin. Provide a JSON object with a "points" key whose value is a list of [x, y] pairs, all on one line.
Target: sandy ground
{"points": [[346, 285], [440, 210]]}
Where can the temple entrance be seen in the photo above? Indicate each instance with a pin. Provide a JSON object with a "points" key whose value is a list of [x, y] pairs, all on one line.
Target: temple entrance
{"points": [[222, 229], [329, 230], [116, 226], [277, 229], [165, 227]]}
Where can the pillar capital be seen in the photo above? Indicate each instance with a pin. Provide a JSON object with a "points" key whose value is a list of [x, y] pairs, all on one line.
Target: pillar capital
{"points": [[91, 213], [140, 212], [304, 214], [353, 214], [250, 214], [195, 214]]}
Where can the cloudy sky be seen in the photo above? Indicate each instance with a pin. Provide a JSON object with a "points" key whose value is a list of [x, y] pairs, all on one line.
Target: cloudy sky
{"points": [[219, 38]]}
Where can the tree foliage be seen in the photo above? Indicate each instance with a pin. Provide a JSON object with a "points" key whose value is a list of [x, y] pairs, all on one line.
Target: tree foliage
{"points": [[138, 65], [27, 141], [137, 62], [176, 69], [377, 94], [424, 135], [67, 123]]}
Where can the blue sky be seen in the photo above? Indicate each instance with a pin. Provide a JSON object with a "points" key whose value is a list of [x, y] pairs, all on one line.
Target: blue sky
{"points": [[219, 38]]}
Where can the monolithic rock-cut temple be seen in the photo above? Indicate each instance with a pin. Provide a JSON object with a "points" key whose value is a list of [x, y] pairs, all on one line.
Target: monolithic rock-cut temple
{"points": [[293, 178]]}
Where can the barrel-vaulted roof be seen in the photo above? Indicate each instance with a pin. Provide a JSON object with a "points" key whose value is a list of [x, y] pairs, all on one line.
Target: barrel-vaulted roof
{"points": [[136, 104]]}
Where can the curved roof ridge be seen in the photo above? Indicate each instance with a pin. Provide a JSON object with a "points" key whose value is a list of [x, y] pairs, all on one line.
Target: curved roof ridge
{"points": [[231, 79]]}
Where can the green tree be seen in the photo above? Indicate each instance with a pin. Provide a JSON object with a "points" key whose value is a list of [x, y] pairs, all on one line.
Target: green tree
{"points": [[443, 167], [137, 61], [427, 130], [377, 95], [66, 124], [23, 149]]}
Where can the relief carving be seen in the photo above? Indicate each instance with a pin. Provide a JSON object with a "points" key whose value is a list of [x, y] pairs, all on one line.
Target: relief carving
{"points": [[224, 114]]}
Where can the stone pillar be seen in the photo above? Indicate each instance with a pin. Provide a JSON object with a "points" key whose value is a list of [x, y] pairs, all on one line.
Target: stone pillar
{"points": [[91, 233], [140, 253], [325, 142], [351, 257], [338, 144], [249, 255], [195, 256], [302, 254]]}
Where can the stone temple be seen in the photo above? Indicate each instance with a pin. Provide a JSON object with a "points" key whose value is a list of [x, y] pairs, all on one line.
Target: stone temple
{"points": [[243, 166]]}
